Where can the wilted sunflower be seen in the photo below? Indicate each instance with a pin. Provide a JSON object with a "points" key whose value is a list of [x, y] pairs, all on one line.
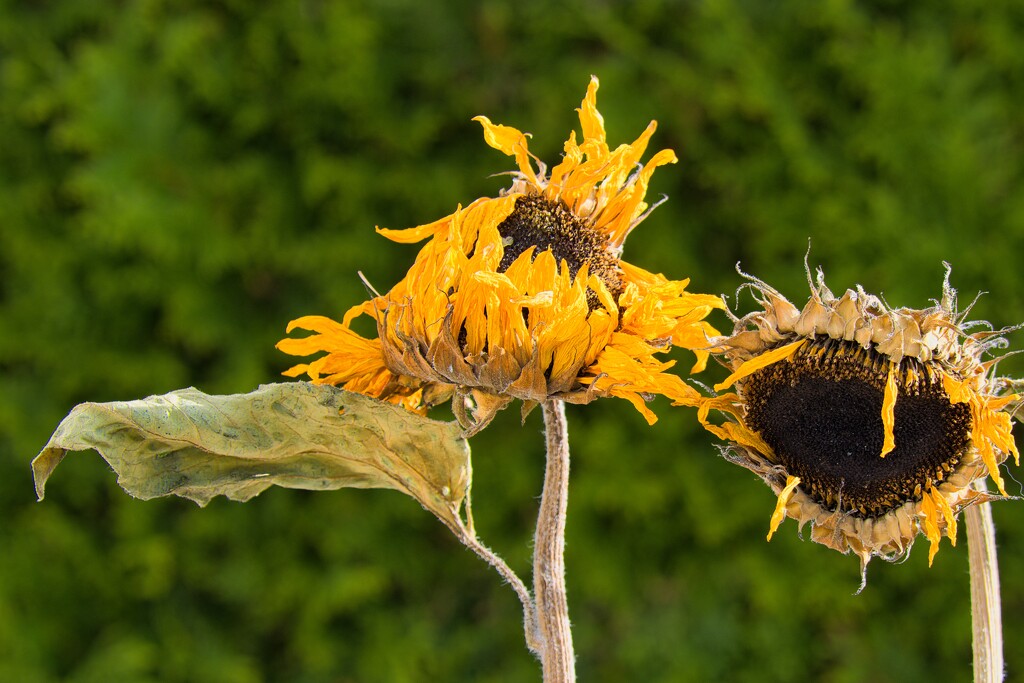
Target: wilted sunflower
{"points": [[871, 423], [524, 295]]}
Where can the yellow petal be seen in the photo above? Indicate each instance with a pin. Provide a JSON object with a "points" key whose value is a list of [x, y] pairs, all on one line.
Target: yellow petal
{"points": [[762, 361], [591, 119], [780, 505], [638, 402], [726, 403], [571, 158], [419, 233], [439, 228], [512, 142], [316, 323], [296, 370], [987, 434], [958, 390], [947, 513], [931, 525], [889, 411], [622, 212], [1001, 402]]}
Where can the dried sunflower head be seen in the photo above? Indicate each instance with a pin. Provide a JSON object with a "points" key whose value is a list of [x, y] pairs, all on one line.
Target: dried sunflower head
{"points": [[872, 424], [525, 296]]}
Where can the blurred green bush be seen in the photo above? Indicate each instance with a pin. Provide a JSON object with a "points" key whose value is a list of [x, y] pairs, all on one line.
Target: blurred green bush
{"points": [[179, 180]]}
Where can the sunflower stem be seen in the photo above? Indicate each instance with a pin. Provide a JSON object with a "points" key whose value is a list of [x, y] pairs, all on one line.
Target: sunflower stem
{"points": [[557, 659], [985, 602]]}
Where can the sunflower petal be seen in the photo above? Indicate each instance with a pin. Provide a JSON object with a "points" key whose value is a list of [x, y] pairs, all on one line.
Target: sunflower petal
{"points": [[512, 142], [931, 526], [780, 505], [889, 412], [754, 364], [947, 513]]}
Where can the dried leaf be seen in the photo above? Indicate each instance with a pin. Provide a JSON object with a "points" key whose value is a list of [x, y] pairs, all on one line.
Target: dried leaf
{"points": [[296, 435]]}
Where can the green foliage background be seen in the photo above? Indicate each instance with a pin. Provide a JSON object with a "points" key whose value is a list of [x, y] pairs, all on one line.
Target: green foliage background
{"points": [[178, 180]]}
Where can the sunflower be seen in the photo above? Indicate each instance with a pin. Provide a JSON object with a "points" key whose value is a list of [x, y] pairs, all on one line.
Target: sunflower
{"points": [[872, 424], [524, 296]]}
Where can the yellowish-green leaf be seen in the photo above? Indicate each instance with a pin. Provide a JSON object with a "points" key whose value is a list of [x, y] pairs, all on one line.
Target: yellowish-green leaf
{"points": [[297, 435]]}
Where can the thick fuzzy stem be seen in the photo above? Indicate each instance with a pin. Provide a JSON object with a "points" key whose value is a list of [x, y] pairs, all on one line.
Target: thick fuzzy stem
{"points": [[986, 614], [555, 636]]}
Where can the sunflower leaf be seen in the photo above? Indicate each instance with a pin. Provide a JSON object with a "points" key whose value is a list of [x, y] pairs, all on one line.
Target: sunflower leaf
{"points": [[296, 435]]}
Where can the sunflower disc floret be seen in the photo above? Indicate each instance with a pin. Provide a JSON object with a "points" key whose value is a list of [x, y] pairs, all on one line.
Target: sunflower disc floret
{"points": [[871, 424], [524, 296]]}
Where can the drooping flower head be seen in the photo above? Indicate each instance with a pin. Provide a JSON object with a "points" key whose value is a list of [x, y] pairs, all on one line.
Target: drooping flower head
{"points": [[872, 424], [525, 296]]}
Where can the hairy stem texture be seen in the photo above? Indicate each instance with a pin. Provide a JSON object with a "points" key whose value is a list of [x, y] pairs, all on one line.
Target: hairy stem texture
{"points": [[555, 636]]}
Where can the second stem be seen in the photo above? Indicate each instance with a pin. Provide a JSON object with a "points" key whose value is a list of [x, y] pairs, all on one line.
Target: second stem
{"points": [[986, 610]]}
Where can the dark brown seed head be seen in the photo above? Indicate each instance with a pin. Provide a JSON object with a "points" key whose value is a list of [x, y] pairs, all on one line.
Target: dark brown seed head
{"points": [[821, 413], [550, 226]]}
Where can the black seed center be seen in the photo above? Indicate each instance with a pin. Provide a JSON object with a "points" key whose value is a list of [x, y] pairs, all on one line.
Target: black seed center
{"points": [[821, 413], [550, 226]]}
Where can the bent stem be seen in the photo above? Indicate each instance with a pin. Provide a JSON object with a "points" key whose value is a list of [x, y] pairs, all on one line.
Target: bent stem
{"points": [[469, 539], [557, 657], [985, 602]]}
